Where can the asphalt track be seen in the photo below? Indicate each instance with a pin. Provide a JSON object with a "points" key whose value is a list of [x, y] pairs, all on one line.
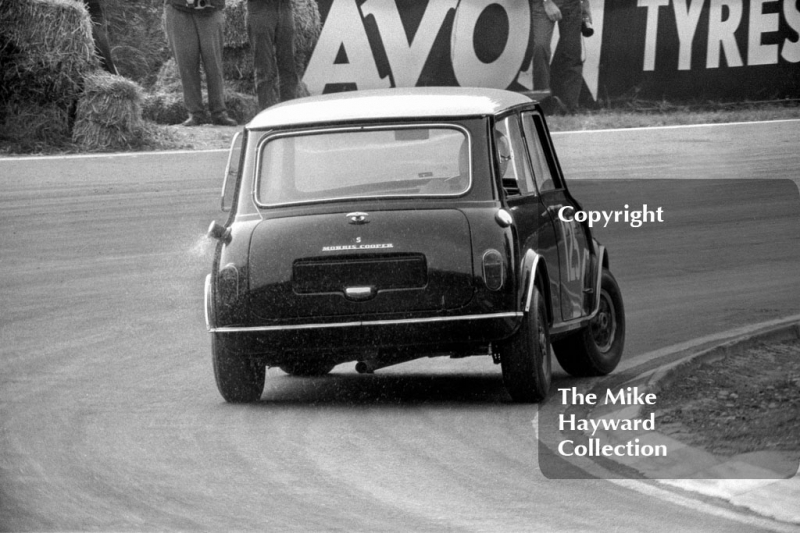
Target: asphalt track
{"points": [[110, 420]]}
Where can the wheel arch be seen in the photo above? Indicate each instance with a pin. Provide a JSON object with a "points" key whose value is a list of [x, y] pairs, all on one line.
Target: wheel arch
{"points": [[211, 321], [535, 274]]}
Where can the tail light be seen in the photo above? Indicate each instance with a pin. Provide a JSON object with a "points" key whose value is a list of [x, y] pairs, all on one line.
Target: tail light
{"points": [[228, 285], [493, 269]]}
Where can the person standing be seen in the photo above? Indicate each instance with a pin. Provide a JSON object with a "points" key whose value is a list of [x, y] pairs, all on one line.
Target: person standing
{"points": [[564, 76], [270, 29], [195, 32]]}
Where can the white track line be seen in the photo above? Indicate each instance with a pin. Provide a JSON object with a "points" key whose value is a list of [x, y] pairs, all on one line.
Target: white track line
{"points": [[751, 521], [676, 126]]}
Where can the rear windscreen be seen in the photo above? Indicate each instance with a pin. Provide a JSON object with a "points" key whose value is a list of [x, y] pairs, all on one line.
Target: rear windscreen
{"points": [[398, 161]]}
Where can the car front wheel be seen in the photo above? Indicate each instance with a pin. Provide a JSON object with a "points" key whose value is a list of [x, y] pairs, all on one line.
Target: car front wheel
{"points": [[525, 357], [596, 349], [239, 380]]}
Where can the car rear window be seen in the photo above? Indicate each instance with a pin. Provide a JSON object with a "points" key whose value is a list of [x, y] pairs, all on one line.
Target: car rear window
{"points": [[365, 162]]}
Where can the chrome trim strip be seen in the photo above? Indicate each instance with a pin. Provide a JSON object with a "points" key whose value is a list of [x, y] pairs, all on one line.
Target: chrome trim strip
{"points": [[206, 296], [442, 319], [228, 169], [600, 254], [533, 281], [512, 314]]}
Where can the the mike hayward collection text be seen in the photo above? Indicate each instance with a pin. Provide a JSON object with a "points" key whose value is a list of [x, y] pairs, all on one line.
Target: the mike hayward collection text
{"points": [[595, 446]]}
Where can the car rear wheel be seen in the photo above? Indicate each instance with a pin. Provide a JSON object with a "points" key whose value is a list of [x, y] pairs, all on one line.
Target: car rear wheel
{"points": [[596, 349], [239, 380], [525, 357], [307, 369]]}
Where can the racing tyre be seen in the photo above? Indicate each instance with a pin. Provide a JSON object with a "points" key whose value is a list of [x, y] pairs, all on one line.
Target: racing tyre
{"points": [[525, 357], [596, 349], [239, 380], [307, 369]]}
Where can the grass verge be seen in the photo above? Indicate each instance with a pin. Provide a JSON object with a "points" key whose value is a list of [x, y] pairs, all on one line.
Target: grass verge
{"points": [[742, 402]]}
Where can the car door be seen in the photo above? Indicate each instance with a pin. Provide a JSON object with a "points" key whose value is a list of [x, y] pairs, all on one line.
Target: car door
{"points": [[535, 229], [571, 239]]}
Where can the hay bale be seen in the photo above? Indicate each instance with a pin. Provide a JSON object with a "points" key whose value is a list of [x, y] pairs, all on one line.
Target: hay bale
{"points": [[48, 47], [164, 108], [307, 27], [109, 113], [235, 35], [242, 107], [237, 64], [168, 79], [32, 126]]}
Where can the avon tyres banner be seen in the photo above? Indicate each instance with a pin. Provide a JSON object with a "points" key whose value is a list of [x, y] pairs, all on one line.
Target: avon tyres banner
{"points": [[687, 49], [673, 49]]}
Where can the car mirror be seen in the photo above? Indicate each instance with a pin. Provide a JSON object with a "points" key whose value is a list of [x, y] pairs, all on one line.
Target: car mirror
{"points": [[231, 172]]}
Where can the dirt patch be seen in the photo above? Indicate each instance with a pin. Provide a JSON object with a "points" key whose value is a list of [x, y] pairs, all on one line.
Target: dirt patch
{"points": [[738, 403]]}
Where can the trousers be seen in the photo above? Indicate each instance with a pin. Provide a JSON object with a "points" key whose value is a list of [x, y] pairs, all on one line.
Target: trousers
{"points": [[564, 75], [270, 29], [194, 37]]}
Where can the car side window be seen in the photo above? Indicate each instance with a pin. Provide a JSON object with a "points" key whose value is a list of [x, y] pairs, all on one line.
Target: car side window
{"points": [[542, 169], [512, 164]]}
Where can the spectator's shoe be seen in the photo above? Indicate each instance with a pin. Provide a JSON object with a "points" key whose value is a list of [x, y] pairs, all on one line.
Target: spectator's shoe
{"points": [[193, 120], [587, 30], [222, 119]]}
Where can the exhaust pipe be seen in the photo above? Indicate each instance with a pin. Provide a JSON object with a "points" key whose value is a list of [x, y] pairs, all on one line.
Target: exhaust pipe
{"points": [[369, 366], [363, 367]]}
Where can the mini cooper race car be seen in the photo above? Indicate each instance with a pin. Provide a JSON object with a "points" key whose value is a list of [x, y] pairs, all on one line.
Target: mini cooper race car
{"points": [[384, 226]]}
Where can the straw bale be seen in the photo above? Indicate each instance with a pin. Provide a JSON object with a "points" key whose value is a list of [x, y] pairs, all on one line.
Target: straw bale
{"points": [[307, 27], [242, 107], [168, 79], [164, 108], [49, 44], [32, 125], [111, 100], [93, 136], [235, 35], [109, 113], [238, 69]]}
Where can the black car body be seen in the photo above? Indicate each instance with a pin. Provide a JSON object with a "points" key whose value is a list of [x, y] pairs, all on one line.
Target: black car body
{"points": [[384, 226]]}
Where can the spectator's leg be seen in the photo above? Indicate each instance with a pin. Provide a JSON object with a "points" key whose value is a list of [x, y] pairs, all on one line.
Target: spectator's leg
{"points": [[185, 45], [262, 19], [211, 38], [542, 28], [284, 51], [100, 36], [566, 70]]}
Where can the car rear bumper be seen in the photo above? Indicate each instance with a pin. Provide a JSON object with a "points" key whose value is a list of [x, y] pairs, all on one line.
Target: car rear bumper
{"points": [[377, 334]]}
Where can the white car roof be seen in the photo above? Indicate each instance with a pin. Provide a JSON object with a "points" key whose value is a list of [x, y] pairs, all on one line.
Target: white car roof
{"points": [[390, 104]]}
